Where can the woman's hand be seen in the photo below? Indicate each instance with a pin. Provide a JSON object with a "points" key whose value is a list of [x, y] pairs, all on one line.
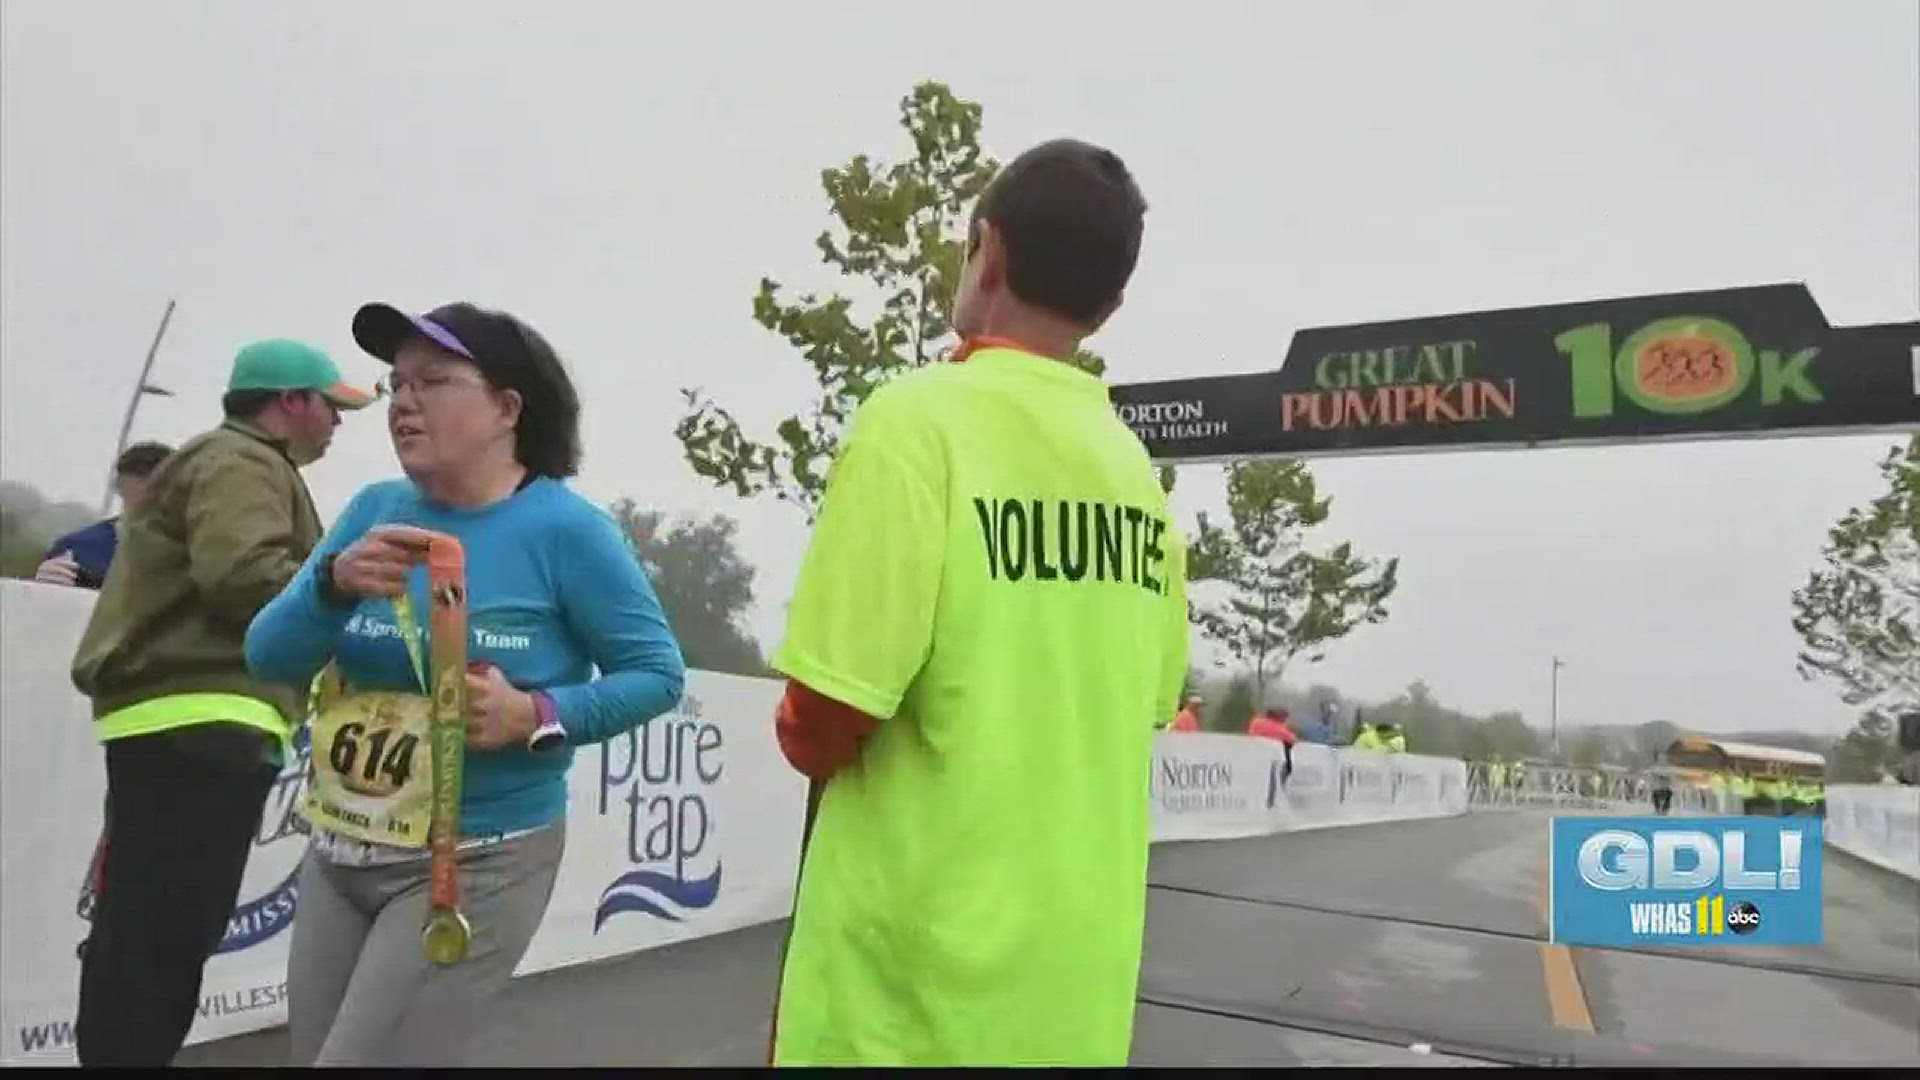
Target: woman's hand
{"points": [[375, 566], [497, 714]]}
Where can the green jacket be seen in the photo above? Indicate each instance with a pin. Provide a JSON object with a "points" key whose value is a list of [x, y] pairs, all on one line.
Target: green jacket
{"points": [[227, 523]]}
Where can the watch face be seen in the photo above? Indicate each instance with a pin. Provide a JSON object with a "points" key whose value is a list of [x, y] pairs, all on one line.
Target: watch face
{"points": [[547, 738]]}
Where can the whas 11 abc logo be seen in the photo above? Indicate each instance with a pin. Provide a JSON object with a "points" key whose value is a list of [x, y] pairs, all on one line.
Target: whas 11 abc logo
{"points": [[661, 779], [1688, 861]]}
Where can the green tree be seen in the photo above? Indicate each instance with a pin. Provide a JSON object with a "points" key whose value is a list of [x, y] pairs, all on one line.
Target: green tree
{"points": [[1476, 744], [1234, 708], [704, 585], [1284, 600], [1858, 615], [1431, 727], [1650, 740], [29, 521], [1508, 736], [899, 232], [1313, 707], [1866, 752], [1590, 748]]}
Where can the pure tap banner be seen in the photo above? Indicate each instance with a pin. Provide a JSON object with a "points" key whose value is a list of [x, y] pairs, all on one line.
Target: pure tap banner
{"points": [[1687, 882], [687, 827]]}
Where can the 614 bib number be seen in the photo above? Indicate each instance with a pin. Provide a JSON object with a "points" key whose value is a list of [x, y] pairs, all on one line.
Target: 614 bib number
{"points": [[384, 758]]}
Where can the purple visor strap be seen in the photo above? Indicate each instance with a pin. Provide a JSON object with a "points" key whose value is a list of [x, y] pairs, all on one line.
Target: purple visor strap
{"points": [[439, 335]]}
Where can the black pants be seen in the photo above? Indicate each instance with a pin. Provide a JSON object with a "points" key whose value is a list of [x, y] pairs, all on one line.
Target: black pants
{"points": [[182, 811], [1661, 800]]}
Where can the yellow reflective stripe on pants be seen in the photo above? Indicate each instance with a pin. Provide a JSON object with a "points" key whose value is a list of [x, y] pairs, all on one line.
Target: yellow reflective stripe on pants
{"points": [[185, 710]]}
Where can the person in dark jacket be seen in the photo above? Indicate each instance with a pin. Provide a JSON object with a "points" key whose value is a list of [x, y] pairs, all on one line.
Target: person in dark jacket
{"points": [[193, 740], [80, 558]]}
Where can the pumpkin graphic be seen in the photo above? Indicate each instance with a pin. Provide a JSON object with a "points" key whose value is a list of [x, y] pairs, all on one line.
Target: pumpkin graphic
{"points": [[1686, 364]]}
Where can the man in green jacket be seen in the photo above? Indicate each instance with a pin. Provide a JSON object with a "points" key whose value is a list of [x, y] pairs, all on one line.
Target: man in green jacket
{"points": [[193, 743]]}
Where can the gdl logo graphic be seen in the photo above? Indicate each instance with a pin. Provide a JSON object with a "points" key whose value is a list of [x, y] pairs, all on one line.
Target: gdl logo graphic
{"points": [[661, 778], [1627, 881]]}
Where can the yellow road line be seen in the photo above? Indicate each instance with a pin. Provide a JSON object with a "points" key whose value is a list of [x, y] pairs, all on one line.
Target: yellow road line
{"points": [[1565, 996]]}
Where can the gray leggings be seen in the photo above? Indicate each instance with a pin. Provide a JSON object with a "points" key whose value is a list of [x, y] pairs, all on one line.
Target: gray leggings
{"points": [[360, 994]]}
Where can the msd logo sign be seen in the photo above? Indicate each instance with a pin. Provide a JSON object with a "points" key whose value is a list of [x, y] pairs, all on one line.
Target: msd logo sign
{"points": [[270, 890], [277, 850], [662, 780]]}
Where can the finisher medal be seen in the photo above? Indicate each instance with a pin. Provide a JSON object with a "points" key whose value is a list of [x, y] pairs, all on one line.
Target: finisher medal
{"points": [[447, 934]]}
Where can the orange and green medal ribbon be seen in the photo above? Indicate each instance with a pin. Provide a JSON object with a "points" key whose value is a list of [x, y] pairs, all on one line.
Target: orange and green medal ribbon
{"points": [[447, 934]]}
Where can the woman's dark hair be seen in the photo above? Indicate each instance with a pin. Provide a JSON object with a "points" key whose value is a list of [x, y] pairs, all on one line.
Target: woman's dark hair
{"points": [[513, 356]]}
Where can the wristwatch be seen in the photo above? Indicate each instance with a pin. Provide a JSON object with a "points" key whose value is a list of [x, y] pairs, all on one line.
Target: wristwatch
{"points": [[547, 733], [330, 592]]}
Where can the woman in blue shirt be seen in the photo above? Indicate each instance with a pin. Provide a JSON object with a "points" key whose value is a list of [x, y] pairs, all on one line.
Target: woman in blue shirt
{"points": [[485, 422]]}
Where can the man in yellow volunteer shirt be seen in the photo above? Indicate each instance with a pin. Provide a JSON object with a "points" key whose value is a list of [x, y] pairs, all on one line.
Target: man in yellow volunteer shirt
{"points": [[990, 620], [192, 740]]}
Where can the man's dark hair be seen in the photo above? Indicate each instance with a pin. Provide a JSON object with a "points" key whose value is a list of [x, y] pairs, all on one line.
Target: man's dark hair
{"points": [[139, 460], [1070, 217], [513, 356], [247, 404]]}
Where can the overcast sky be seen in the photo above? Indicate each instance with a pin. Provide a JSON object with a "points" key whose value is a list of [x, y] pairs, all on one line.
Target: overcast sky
{"points": [[622, 177]]}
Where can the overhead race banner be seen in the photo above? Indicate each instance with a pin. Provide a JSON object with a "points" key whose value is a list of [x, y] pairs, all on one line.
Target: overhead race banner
{"points": [[1747, 361]]}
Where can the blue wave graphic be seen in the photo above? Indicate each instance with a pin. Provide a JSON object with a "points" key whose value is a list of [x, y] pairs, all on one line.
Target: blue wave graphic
{"points": [[650, 890], [257, 920]]}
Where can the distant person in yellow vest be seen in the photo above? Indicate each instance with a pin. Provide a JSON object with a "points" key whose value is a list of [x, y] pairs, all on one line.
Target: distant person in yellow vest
{"points": [[193, 741], [1746, 794], [1780, 790], [1722, 787], [1800, 794], [1368, 738], [1392, 739]]}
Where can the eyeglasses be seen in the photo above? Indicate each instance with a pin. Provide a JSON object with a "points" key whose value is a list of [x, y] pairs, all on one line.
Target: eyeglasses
{"points": [[426, 386]]}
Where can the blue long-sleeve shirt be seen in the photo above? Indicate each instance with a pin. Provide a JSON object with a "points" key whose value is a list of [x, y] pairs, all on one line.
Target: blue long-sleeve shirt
{"points": [[553, 591], [92, 549]]}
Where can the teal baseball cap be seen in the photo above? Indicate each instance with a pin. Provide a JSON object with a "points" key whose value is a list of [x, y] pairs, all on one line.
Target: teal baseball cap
{"points": [[284, 364]]}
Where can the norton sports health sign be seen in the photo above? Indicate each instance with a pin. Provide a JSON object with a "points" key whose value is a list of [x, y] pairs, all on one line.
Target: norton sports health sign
{"points": [[1687, 365]]}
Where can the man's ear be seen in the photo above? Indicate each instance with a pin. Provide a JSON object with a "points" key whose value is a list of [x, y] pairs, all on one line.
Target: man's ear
{"points": [[990, 254]]}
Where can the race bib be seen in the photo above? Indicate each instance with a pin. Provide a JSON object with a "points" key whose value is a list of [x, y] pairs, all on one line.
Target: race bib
{"points": [[372, 774]]}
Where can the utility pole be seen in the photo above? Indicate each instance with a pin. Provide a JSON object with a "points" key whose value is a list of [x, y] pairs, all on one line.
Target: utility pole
{"points": [[140, 389], [1554, 710]]}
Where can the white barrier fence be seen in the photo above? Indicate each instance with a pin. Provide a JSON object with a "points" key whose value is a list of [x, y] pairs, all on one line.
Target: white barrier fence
{"points": [[686, 828], [1222, 787], [1878, 822]]}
